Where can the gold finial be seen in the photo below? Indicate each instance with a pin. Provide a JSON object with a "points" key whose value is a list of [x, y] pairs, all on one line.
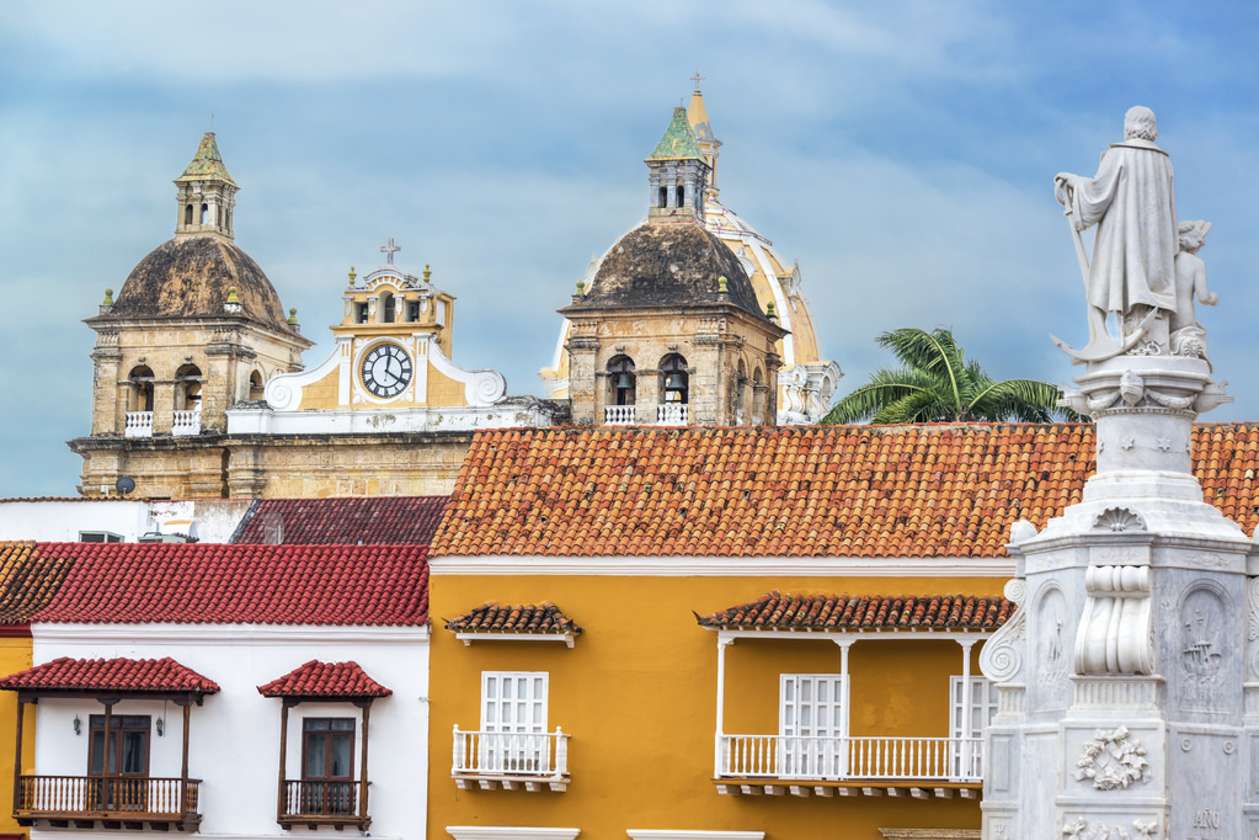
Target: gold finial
{"points": [[723, 285], [232, 296], [109, 298], [428, 273], [293, 316], [353, 274], [771, 312]]}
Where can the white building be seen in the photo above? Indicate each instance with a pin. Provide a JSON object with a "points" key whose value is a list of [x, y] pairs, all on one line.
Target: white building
{"points": [[82, 519], [171, 648]]}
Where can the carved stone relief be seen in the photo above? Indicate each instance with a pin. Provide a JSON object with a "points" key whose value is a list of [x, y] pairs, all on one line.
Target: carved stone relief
{"points": [[1113, 760], [1052, 663], [1082, 829], [1252, 627], [1201, 653]]}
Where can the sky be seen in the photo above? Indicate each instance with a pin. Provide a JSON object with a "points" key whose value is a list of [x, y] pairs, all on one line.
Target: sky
{"points": [[903, 152]]}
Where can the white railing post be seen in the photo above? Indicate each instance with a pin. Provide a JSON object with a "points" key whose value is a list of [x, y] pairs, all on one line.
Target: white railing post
{"points": [[138, 424], [718, 770], [561, 753], [671, 414], [844, 732], [965, 751], [620, 415]]}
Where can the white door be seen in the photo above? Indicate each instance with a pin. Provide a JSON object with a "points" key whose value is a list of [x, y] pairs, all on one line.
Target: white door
{"points": [[811, 723], [513, 722], [983, 708]]}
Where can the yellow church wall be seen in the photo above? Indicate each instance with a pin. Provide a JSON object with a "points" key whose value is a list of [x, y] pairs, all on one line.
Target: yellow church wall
{"points": [[444, 392], [322, 394], [15, 655], [637, 695]]}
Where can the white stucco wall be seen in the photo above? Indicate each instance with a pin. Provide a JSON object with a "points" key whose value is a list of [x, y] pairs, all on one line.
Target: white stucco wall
{"points": [[54, 520], [234, 742]]}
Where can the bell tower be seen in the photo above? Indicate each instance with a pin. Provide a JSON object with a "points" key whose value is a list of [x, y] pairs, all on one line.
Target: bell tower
{"points": [[206, 193], [677, 173]]}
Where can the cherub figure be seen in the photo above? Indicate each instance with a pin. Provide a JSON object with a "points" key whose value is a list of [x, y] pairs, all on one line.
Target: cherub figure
{"points": [[1188, 337]]}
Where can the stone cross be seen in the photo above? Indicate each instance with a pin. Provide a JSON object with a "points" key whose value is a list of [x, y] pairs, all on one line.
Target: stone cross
{"points": [[389, 249]]}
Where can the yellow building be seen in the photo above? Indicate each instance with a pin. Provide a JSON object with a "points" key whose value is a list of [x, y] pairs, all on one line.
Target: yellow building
{"points": [[737, 633], [30, 574], [806, 380]]}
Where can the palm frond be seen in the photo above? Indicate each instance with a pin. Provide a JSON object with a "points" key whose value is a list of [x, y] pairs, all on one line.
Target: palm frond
{"points": [[1026, 400], [885, 387], [918, 407]]}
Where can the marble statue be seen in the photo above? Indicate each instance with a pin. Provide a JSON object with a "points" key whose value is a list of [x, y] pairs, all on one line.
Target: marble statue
{"points": [[1132, 202], [1188, 337]]}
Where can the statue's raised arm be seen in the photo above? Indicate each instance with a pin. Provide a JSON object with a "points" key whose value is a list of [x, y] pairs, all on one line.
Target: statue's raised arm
{"points": [[1131, 201]]}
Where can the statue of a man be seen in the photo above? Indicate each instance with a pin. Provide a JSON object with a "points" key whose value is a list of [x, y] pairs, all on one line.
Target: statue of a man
{"points": [[1132, 202]]}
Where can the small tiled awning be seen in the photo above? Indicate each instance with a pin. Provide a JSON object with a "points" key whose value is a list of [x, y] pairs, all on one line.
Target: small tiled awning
{"points": [[507, 621], [847, 613], [315, 680], [120, 676]]}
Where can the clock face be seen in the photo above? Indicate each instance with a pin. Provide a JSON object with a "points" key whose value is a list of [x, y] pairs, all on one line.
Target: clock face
{"points": [[386, 370]]}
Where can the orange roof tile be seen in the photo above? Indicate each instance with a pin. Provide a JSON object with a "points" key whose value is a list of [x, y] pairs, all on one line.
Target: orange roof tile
{"points": [[505, 618], [119, 674], [937, 490], [30, 575], [863, 612], [325, 680]]}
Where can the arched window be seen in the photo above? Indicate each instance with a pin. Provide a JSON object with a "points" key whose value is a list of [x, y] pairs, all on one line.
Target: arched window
{"points": [[674, 379], [256, 387], [741, 394], [622, 385], [663, 198], [188, 215], [205, 213], [760, 397], [141, 379], [187, 388], [679, 194], [388, 308]]}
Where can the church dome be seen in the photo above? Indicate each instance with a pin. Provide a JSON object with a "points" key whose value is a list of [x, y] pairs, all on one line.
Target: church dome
{"points": [[190, 276], [672, 264]]}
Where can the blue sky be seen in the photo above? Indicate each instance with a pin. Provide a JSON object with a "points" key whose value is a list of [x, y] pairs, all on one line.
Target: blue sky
{"points": [[903, 152]]}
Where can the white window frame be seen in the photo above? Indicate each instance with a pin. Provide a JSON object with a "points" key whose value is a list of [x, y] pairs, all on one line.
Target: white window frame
{"points": [[514, 746], [983, 707], [824, 755]]}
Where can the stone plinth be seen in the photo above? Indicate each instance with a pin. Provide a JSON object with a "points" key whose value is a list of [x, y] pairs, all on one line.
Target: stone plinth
{"points": [[1122, 679]]}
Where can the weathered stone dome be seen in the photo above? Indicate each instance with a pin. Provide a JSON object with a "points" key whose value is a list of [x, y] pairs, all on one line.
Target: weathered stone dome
{"points": [[189, 277], [671, 264]]}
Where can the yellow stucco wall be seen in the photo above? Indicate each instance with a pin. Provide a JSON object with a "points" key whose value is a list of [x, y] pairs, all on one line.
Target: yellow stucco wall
{"points": [[637, 695], [444, 392], [322, 393], [15, 655]]}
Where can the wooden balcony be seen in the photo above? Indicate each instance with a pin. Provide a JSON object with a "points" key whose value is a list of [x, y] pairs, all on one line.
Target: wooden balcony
{"points": [[313, 804], [850, 765], [121, 802], [512, 761]]}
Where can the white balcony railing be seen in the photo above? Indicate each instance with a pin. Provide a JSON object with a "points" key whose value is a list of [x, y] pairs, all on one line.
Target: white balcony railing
{"points": [[671, 414], [540, 756], [138, 424], [186, 422], [620, 415], [851, 758]]}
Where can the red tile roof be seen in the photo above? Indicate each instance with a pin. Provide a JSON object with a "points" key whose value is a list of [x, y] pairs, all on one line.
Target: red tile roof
{"points": [[374, 520], [204, 583], [863, 612], [505, 618], [325, 680], [30, 575], [126, 675], [938, 490]]}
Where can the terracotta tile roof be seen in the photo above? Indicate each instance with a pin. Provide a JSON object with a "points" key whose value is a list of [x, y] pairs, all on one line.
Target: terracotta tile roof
{"points": [[325, 679], [506, 618], [129, 675], [863, 612], [938, 490], [208, 583], [29, 577], [393, 520]]}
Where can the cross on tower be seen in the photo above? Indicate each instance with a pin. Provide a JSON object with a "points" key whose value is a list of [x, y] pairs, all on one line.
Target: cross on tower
{"points": [[389, 249], [697, 78]]}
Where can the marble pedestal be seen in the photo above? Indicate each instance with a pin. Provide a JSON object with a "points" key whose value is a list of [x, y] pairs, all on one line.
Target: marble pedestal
{"points": [[1128, 681]]}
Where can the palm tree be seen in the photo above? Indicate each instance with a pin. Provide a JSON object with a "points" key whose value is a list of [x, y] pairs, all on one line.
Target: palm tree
{"points": [[936, 383]]}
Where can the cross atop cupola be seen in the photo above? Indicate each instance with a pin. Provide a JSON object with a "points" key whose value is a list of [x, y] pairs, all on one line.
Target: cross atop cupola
{"points": [[389, 249]]}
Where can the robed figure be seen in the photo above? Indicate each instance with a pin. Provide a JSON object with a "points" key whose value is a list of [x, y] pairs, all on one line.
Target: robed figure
{"points": [[1131, 200]]}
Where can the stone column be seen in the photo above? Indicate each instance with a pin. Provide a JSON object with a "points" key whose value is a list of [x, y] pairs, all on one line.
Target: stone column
{"points": [[106, 392], [582, 352]]}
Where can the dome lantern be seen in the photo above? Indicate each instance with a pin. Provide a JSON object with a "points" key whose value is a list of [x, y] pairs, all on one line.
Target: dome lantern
{"points": [[206, 193], [677, 173]]}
